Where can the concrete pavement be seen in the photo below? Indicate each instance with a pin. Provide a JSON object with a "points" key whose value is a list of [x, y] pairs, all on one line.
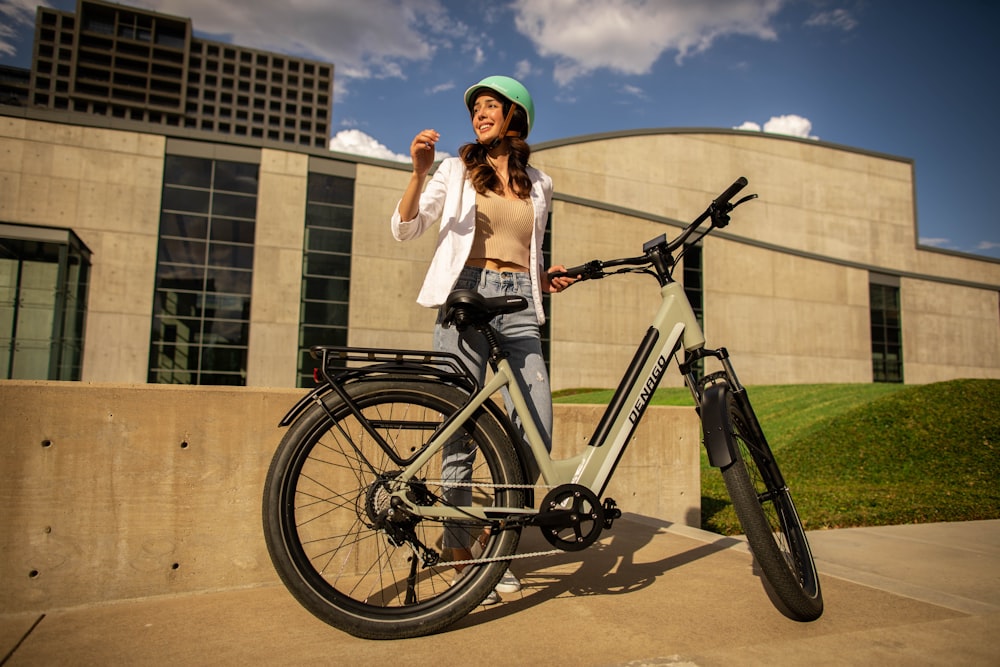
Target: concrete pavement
{"points": [[649, 593]]}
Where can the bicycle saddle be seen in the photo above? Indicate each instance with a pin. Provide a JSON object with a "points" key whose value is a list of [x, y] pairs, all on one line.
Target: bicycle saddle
{"points": [[465, 307]]}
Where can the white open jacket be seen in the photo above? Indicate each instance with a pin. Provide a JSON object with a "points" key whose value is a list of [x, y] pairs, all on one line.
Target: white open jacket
{"points": [[451, 198]]}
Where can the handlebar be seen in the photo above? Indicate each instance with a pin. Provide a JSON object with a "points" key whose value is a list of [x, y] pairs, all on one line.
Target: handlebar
{"points": [[658, 253], [731, 191]]}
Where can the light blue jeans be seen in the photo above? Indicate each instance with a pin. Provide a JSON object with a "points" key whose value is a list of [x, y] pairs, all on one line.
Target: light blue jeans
{"points": [[520, 336]]}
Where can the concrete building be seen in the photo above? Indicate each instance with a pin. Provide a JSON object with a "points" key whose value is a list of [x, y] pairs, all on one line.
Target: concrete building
{"points": [[124, 62], [172, 255]]}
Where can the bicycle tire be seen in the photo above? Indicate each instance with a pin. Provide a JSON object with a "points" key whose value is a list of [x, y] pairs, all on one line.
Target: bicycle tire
{"points": [[764, 506], [325, 484]]}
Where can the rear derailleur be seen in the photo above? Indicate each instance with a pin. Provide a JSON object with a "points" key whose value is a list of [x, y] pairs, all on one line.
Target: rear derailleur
{"points": [[389, 515]]}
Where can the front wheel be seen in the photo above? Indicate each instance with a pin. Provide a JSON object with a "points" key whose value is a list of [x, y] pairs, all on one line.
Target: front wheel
{"points": [[337, 541], [770, 521]]}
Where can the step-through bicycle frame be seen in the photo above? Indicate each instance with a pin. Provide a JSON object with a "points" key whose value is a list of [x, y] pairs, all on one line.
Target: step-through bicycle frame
{"points": [[674, 326]]}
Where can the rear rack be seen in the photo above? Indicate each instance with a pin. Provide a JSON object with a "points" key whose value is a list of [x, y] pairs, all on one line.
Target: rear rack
{"points": [[339, 364]]}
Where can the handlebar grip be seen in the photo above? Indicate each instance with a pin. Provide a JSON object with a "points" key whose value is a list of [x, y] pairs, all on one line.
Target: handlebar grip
{"points": [[724, 198], [575, 271], [583, 272]]}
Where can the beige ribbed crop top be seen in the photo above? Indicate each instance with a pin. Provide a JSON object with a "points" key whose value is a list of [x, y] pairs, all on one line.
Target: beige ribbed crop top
{"points": [[503, 229]]}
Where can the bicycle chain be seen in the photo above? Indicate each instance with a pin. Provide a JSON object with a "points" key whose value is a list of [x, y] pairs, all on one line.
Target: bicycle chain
{"points": [[494, 559], [485, 485], [491, 559]]}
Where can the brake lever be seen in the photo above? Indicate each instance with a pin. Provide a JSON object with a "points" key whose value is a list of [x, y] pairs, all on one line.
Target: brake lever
{"points": [[720, 213]]}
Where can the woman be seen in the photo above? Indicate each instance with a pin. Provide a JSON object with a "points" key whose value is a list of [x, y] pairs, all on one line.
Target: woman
{"points": [[493, 209]]}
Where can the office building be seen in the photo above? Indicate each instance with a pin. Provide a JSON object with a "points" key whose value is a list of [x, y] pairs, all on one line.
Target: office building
{"points": [[127, 63]]}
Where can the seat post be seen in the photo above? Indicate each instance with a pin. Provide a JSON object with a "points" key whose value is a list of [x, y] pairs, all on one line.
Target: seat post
{"points": [[493, 340]]}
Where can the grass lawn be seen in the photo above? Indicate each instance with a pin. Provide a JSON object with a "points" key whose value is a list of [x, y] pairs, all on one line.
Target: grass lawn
{"points": [[868, 454]]}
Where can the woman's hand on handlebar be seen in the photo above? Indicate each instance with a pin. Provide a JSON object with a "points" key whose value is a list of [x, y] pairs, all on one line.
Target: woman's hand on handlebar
{"points": [[557, 284]]}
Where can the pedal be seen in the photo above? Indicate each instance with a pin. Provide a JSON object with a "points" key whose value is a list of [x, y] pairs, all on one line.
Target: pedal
{"points": [[611, 512]]}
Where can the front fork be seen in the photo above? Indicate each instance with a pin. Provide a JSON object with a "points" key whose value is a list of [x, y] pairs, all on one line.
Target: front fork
{"points": [[710, 395]]}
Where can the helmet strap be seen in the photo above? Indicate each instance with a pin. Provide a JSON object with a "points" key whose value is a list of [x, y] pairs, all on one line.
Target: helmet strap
{"points": [[503, 128]]}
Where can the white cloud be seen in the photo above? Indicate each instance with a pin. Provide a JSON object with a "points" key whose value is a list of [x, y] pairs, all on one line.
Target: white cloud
{"points": [[634, 91], [837, 18], [442, 87], [935, 242], [15, 15], [523, 70], [363, 39], [357, 142], [987, 245], [628, 36], [791, 125]]}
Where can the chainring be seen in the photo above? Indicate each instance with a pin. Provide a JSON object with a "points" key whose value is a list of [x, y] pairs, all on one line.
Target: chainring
{"points": [[570, 517]]}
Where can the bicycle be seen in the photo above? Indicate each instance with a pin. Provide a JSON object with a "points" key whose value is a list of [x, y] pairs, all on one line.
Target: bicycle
{"points": [[354, 506]]}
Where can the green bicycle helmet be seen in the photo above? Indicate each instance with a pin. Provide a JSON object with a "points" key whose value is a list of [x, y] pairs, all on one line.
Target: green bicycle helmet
{"points": [[510, 88]]}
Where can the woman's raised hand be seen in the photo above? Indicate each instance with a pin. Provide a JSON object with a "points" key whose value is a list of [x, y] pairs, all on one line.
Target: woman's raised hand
{"points": [[422, 150]]}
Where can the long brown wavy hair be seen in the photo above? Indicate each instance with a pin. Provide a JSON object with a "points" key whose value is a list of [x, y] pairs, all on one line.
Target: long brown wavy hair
{"points": [[482, 175]]}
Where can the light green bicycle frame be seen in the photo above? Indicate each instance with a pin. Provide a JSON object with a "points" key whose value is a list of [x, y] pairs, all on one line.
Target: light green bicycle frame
{"points": [[674, 325]]}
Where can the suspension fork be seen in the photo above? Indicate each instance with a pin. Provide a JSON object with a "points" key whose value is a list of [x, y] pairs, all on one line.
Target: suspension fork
{"points": [[710, 400]]}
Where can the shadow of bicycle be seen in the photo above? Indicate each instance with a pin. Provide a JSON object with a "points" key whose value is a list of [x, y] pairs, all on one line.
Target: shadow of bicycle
{"points": [[608, 567]]}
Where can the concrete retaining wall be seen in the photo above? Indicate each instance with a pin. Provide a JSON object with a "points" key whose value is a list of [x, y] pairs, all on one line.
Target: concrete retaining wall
{"points": [[114, 492]]}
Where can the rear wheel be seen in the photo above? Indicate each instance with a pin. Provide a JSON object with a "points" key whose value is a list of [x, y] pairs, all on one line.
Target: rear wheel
{"points": [[338, 544], [770, 521]]}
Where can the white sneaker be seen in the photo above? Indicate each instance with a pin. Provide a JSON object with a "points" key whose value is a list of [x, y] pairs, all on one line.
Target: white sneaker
{"points": [[508, 583], [492, 598]]}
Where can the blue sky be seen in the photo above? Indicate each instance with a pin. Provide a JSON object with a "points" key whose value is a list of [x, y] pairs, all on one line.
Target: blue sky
{"points": [[909, 78]]}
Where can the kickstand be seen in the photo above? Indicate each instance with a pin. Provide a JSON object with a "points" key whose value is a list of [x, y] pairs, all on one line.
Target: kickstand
{"points": [[411, 581]]}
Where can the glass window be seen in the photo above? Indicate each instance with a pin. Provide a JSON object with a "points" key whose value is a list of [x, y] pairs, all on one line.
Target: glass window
{"points": [[886, 333], [201, 309], [326, 267], [236, 177], [228, 281], [327, 264], [546, 329], [328, 240], [322, 289], [184, 226], [186, 200], [231, 256], [693, 290], [325, 215], [329, 314], [182, 251], [232, 231], [324, 189], [44, 276], [187, 171], [234, 206], [316, 335]]}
